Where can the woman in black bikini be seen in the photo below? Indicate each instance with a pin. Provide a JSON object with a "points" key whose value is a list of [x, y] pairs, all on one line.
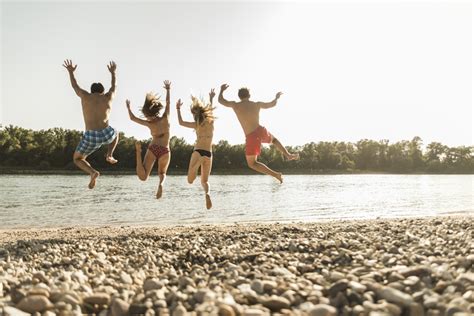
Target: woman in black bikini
{"points": [[202, 155], [159, 126]]}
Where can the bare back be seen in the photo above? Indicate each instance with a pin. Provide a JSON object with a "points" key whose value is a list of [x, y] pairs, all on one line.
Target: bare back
{"points": [[96, 110], [248, 113], [204, 133], [160, 131]]}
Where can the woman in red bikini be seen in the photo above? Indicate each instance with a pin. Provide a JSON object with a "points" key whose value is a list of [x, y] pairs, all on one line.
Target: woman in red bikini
{"points": [[202, 154], [158, 149]]}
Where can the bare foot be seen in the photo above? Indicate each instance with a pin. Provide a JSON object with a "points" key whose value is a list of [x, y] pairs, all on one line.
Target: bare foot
{"points": [[208, 201], [279, 177], [111, 160], [94, 177], [159, 193], [294, 156]]}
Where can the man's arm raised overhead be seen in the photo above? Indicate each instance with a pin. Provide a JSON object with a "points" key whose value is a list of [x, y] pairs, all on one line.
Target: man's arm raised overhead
{"points": [[70, 68], [112, 66], [267, 105], [167, 86], [222, 100]]}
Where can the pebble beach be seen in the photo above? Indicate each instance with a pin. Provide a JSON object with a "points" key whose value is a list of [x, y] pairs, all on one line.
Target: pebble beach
{"points": [[409, 266]]}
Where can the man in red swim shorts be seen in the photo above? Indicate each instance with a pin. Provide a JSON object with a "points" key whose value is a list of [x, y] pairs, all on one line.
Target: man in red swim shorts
{"points": [[248, 113]]}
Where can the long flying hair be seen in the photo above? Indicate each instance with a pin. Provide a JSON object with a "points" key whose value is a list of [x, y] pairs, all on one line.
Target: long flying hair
{"points": [[202, 112], [152, 105]]}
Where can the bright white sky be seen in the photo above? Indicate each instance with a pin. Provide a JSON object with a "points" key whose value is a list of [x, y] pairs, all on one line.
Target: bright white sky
{"points": [[377, 70]]}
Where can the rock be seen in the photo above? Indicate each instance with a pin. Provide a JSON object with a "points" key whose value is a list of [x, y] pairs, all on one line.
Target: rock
{"points": [[253, 312], [357, 287], [119, 307], [395, 296], [12, 311], [268, 286], [257, 286], [126, 278], [416, 309], [336, 276], [35, 303], [467, 277], [419, 271], [98, 298], [17, 295], [41, 276], [276, 303], [137, 309], [179, 310], [203, 295], [323, 310], [226, 310], [337, 287], [152, 284]]}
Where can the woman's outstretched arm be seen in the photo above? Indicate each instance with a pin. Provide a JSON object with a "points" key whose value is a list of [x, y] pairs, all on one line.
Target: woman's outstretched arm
{"points": [[180, 118]]}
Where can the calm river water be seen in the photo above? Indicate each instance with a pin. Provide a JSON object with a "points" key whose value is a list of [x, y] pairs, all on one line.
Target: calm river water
{"points": [[57, 200]]}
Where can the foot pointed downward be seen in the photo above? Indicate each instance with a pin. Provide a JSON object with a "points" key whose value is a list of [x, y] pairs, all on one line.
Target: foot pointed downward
{"points": [[294, 156], [159, 193], [208, 202], [279, 177], [94, 177], [111, 160]]}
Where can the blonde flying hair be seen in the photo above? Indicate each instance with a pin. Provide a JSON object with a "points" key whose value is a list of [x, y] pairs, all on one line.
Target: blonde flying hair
{"points": [[202, 112]]}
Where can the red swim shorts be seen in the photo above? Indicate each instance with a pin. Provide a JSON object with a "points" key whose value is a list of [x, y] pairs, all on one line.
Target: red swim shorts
{"points": [[254, 140]]}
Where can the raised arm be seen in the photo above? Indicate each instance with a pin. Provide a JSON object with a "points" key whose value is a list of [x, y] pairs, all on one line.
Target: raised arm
{"points": [[180, 118], [266, 105], [70, 68], [133, 117], [112, 66], [221, 98], [167, 86], [212, 94]]}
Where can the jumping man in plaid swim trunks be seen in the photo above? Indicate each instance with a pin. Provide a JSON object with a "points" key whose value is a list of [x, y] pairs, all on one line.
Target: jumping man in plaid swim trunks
{"points": [[248, 113], [96, 107]]}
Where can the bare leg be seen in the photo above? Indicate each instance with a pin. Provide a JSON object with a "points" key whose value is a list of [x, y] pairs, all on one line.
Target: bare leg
{"points": [[262, 168], [163, 164], [194, 164], [144, 167], [110, 151], [283, 150], [81, 162], [206, 167]]}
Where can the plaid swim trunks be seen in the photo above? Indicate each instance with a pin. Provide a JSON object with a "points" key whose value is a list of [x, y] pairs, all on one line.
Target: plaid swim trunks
{"points": [[93, 140]]}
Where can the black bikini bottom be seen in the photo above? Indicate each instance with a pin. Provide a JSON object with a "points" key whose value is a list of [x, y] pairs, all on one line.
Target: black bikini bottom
{"points": [[203, 153]]}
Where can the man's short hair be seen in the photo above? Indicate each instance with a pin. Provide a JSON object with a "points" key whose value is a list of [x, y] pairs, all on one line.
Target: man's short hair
{"points": [[244, 93], [97, 87]]}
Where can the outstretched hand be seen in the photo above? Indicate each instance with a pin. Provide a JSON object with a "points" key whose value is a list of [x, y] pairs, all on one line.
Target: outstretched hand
{"points": [[112, 66], [68, 65], [224, 86], [179, 104], [278, 95], [167, 84], [212, 94]]}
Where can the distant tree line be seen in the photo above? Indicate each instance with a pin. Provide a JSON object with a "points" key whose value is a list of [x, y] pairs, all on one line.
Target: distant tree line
{"points": [[52, 149]]}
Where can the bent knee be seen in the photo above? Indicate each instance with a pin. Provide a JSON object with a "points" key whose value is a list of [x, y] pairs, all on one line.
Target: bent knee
{"points": [[190, 180], [251, 164], [143, 178]]}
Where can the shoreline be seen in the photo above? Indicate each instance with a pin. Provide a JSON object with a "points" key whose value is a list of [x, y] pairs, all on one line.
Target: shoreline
{"points": [[243, 171], [402, 266]]}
